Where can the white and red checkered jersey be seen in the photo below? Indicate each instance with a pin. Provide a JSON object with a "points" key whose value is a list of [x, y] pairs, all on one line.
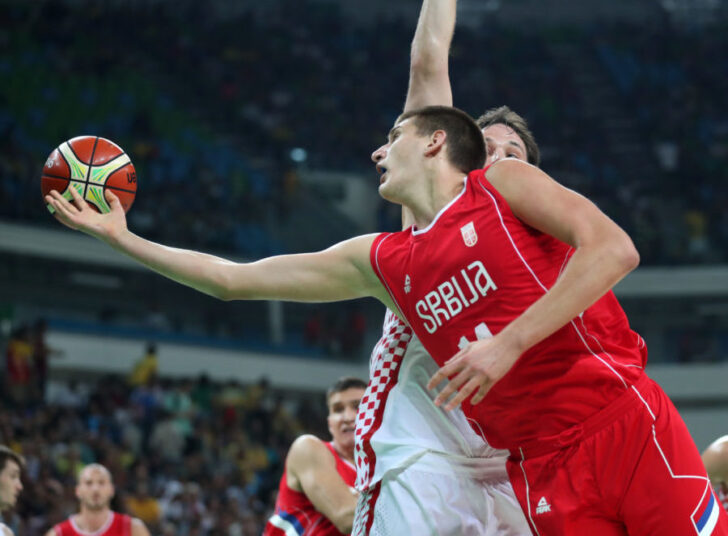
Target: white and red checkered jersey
{"points": [[398, 421]]}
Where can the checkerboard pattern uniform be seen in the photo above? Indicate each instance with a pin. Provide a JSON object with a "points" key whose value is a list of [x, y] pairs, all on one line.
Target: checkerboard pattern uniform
{"points": [[383, 367]]}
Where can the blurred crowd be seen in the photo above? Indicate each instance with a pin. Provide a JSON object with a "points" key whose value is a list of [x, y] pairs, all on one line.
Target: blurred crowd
{"points": [[210, 108], [189, 458]]}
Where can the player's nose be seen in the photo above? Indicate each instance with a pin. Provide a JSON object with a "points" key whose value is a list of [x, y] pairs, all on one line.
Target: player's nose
{"points": [[379, 154]]}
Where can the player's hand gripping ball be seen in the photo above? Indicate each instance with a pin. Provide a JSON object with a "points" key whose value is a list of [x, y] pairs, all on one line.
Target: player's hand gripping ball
{"points": [[90, 165]]}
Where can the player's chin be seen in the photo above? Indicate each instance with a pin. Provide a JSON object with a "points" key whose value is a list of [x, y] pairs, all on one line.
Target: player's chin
{"points": [[388, 193]]}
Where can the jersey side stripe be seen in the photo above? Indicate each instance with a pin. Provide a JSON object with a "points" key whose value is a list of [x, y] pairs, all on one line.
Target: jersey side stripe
{"points": [[543, 287], [287, 523]]}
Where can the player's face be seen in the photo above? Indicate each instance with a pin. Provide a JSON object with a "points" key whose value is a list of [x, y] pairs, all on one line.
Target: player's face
{"points": [[10, 484], [501, 142], [396, 159], [343, 407], [94, 489]]}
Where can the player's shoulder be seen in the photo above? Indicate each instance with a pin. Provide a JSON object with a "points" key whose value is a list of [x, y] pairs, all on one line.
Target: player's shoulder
{"points": [[720, 444], [5, 530], [138, 528], [308, 450], [306, 443]]}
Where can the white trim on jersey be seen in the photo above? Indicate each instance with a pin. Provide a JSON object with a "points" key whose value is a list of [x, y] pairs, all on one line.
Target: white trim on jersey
{"points": [[543, 287], [103, 528], [283, 524]]}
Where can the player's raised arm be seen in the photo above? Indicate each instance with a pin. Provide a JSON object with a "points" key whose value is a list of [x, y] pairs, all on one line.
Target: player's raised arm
{"points": [[313, 465], [341, 272], [603, 255], [429, 82]]}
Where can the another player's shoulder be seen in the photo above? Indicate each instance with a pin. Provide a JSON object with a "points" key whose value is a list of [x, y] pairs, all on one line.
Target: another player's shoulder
{"points": [[720, 444], [56, 530], [138, 528], [308, 451], [307, 445], [715, 457], [5, 530]]}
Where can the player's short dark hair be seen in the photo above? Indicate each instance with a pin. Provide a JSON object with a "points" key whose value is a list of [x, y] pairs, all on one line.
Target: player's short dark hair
{"points": [[6, 454], [465, 145], [503, 115], [344, 383]]}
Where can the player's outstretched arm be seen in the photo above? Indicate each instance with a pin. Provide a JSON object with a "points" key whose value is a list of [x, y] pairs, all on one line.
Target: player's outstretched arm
{"points": [[429, 82], [603, 254], [138, 528], [313, 467], [341, 272]]}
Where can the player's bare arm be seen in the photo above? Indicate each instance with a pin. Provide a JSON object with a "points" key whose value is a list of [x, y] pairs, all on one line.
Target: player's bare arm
{"points": [[429, 82], [311, 468], [603, 255], [51, 532], [340, 272], [138, 528]]}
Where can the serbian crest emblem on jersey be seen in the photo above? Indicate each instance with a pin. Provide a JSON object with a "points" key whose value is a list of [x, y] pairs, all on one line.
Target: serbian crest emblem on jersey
{"points": [[470, 237]]}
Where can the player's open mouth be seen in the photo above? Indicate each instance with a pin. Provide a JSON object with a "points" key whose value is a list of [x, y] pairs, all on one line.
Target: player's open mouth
{"points": [[382, 172]]}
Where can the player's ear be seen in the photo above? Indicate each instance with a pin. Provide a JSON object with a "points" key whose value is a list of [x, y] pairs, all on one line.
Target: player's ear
{"points": [[436, 142]]}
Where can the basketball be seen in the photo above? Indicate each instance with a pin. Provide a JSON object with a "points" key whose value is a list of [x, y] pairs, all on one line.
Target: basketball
{"points": [[91, 165]]}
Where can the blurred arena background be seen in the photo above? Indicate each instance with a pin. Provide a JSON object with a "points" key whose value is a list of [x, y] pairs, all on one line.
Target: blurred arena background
{"points": [[250, 125]]}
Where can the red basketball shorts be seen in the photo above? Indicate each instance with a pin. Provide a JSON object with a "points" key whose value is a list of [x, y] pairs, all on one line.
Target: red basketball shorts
{"points": [[633, 468]]}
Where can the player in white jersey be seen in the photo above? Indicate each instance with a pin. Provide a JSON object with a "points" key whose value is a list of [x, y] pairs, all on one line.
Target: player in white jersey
{"points": [[11, 467], [421, 470]]}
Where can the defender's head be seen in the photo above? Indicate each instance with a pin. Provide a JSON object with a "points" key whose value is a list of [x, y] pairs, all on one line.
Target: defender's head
{"points": [[507, 135]]}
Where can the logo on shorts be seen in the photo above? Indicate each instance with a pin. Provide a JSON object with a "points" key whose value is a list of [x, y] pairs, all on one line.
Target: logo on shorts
{"points": [[470, 237], [407, 284], [543, 506]]}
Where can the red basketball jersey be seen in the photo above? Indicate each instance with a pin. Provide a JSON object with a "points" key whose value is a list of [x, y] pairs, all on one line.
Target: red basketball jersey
{"points": [[472, 271], [117, 525], [294, 513]]}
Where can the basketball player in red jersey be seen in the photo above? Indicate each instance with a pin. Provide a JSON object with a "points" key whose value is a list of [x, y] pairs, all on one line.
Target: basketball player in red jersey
{"points": [[11, 468], [315, 496], [95, 491], [403, 439], [514, 270], [715, 458]]}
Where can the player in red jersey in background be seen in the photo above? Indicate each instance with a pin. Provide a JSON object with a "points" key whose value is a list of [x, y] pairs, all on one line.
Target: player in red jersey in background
{"points": [[11, 467], [94, 491], [315, 496], [715, 458]]}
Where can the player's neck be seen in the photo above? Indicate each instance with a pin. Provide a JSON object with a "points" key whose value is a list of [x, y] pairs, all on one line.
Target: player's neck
{"points": [[440, 189], [346, 454], [92, 520]]}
